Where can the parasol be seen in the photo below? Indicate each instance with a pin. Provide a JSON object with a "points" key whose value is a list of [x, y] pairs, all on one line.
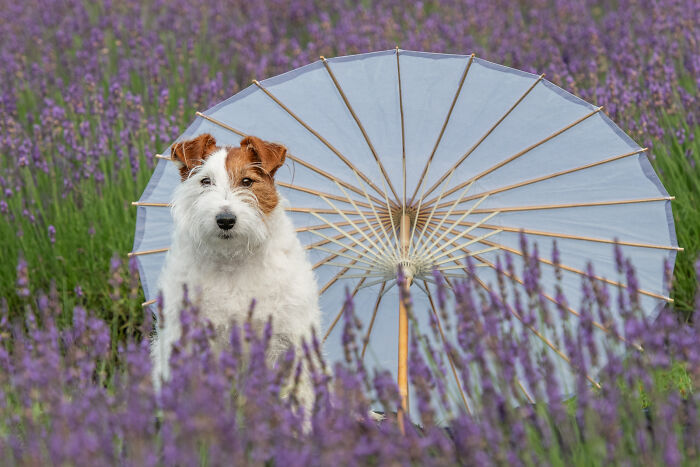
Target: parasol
{"points": [[420, 160]]}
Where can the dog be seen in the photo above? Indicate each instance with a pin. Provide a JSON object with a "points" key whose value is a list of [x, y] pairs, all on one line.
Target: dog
{"points": [[233, 243]]}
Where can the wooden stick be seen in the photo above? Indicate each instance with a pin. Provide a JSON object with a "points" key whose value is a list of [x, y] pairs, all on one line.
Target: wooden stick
{"points": [[323, 211], [289, 156], [386, 246], [325, 242], [569, 236], [403, 134], [481, 140], [574, 270], [403, 325], [378, 253], [547, 296], [365, 341], [311, 191], [512, 158], [446, 276], [223, 125], [560, 206], [380, 260], [340, 313], [154, 205], [446, 216], [377, 217], [318, 136], [444, 126], [444, 343], [359, 124], [147, 252], [543, 178]]}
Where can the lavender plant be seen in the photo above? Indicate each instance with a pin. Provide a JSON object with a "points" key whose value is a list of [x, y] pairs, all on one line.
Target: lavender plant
{"points": [[62, 404]]}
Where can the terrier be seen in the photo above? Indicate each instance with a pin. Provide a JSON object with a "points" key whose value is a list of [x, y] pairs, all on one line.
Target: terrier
{"points": [[232, 243]]}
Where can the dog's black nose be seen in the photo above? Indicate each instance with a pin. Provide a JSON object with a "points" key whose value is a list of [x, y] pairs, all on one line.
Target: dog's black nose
{"points": [[226, 221]]}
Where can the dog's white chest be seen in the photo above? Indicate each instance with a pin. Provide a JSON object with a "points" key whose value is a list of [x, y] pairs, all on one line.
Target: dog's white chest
{"points": [[280, 281], [225, 297]]}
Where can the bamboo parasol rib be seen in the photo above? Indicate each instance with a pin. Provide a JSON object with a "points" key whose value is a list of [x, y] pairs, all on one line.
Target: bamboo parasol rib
{"points": [[532, 328], [296, 159], [513, 157], [547, 177], [447, 351], [481, 140], [484, 262], [361, 127], [561, 206], [320, 138], [365, 341], [481, 284], [403, 131], [574, 270], [444, 126]]}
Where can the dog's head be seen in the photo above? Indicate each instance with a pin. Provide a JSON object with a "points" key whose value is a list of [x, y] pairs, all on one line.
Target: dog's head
{"points": [[226, 192]]}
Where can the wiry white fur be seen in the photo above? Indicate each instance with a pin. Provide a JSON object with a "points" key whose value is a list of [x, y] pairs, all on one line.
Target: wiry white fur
{"points": [[262, 260]]}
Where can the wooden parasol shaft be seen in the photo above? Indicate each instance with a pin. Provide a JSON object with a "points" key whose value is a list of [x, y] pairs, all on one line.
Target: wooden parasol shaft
{"points": [[404, 234]]}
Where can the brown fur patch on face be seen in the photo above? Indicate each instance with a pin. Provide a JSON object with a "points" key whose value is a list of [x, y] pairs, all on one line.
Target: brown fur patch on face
{"points": [[192, 153], [242, 164]]}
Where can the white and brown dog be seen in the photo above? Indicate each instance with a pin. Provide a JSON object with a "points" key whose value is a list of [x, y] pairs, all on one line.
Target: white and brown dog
{"points": [[233, 243]]}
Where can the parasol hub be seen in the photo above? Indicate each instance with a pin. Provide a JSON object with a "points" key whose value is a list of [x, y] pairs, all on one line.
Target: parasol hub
{"points": [[409, 269]]}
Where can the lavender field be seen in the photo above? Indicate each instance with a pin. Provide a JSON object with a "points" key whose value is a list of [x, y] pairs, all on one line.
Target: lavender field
{"points": [[91, 91]]}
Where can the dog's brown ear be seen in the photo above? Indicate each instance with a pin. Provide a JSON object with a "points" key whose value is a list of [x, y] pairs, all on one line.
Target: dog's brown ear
{"points": [[192, 153], [270, 155]]}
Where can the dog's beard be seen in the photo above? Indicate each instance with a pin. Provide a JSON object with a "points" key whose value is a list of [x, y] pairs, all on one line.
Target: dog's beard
{"points": [[243, 240]]}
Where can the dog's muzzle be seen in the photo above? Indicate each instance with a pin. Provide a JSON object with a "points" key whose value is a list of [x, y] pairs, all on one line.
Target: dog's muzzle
{"points": [[226, 220]]}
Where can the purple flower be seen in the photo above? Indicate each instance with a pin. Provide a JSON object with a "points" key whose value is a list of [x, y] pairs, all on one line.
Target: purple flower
{"points": [[22, 277]]}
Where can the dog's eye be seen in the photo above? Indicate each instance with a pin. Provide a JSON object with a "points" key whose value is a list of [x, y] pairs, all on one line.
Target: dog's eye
{"points": [[247, 181], [206, 181]]}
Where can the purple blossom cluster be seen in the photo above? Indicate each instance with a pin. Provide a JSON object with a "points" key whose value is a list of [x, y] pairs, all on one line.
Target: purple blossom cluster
{"points": [[61, 402], [80, 82]]}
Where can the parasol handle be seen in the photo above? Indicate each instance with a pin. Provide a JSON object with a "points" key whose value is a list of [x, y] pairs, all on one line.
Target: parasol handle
{"points": [[405, 229]]}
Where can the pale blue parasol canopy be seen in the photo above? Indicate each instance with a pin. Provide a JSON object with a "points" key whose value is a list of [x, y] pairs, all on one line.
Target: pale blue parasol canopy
{"points": [[422, 160]]}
